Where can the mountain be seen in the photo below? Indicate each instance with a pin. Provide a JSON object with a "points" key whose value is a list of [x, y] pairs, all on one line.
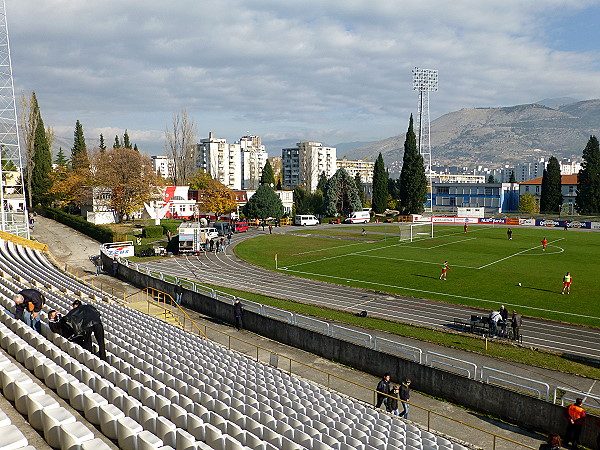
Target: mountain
{"points": [[498, 136]]}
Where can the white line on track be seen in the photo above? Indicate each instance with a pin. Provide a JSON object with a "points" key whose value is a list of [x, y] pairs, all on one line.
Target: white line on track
{"points": [[514, 254], [441, 293]]}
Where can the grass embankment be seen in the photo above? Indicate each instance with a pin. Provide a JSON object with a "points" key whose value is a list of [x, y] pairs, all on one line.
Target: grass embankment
{"points": [[463, 342]]}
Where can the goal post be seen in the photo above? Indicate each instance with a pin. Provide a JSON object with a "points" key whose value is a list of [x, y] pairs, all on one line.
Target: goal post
{"points": [[421, 230]]}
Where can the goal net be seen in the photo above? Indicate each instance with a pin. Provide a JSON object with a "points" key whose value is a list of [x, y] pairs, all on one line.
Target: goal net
{"points": [[421, 230]]}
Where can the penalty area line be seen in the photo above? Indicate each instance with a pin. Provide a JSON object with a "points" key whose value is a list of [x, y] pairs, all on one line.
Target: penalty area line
{"points": [[348, 280], [514, 254]]}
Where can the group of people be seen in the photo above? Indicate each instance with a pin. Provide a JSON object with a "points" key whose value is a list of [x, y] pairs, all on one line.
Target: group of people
{"points": [[218, 244], [392, 396], [499, 321], [78, 325], [576, 417]]}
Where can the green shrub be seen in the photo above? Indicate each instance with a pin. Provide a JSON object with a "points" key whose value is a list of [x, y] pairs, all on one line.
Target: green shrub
{"points": [[144, 250], [152, 231], [98, 232], [173, 227]]}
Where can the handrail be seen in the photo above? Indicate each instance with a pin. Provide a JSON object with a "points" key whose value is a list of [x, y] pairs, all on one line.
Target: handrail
{"points": [[23, 241]]}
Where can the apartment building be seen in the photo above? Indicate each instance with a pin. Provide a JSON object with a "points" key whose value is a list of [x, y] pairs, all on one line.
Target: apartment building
{"points": [[221, 160], [302, 165], [360, 167]]}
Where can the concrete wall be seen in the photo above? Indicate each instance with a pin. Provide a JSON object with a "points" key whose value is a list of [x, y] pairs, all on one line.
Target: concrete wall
{"points": [[511, 406]]}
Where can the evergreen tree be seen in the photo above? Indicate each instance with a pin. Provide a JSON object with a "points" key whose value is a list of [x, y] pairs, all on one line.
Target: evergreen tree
{"points": [[392, 186], [267, 176], [41, 182], [551, 196], [102, 144], [380, 186], [117, 144], [279, 187], [135, 147], [61, 159], [341, 194], [491, 179], [126, 141], [359, 186], [512, 178], [413, 182], [79, 156], [322, 182], [588, 191], [264, 203]]}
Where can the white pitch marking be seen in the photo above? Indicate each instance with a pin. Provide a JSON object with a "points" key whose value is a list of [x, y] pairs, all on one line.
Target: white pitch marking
{"points": [[514, 254]]}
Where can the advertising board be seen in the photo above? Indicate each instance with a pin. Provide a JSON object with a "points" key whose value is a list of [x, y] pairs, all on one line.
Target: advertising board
{"points": [[120, 249]]}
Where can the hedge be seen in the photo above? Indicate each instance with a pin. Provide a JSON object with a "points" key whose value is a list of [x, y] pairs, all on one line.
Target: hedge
{"points": [[98, 232], [152, 231], [173, 227]]}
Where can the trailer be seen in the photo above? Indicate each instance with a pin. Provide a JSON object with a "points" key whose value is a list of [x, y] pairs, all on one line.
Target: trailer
{"points": [[193, 237]]}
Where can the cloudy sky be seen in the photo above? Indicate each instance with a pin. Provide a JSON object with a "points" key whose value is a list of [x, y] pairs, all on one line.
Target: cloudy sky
{"points": [[332, 71]]}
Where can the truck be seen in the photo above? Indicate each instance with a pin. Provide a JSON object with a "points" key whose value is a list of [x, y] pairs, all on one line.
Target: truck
{"points": [[193, 237], [358, 217]]}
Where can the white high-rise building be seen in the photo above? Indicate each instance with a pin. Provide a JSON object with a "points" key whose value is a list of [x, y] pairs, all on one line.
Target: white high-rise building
{"points": [[162, 165], [221, 160], [303, 164], [253, 157]]}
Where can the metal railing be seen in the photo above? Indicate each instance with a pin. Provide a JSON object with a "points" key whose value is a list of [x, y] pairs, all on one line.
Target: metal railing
{"points": [[449, 361], [504, 377]]}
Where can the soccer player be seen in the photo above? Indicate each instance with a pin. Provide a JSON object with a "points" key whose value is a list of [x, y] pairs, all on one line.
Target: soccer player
{"points": [[466, 227], [544, 244], [445, 268], [567, 280], [509, 234]]}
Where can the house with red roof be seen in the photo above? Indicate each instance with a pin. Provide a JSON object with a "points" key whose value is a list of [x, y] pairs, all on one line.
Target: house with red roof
{"points": [[568, 188]]}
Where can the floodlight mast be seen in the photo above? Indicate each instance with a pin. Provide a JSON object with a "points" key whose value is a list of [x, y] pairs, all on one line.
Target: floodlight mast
{"points": [[425, 81], [14, 218]]}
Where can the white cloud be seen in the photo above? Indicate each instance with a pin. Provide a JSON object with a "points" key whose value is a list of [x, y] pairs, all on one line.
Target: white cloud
{"points": [[338, 69]]}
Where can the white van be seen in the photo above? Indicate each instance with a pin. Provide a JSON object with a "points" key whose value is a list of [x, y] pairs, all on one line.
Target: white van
{"points": [[305, 220], [358, 217]]}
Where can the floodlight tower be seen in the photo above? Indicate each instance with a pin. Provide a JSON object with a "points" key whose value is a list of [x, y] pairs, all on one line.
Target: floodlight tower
{"points": [[13, 208], [425, 81]]}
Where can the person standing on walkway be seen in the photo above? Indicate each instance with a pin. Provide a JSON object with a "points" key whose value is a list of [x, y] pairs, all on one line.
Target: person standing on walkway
{"points": [[229, 236], [445, 269], [29, 303], [509, 234], [115, 266], [238, 312], [576, 416], [516, 322], [567, 280], [394, 401], [405, 396], [178, 293], [383, 388], [98, 264]]}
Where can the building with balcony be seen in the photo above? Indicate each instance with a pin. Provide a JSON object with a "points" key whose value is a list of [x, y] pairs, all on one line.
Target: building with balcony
{"points": [[221, 160], [303, 165]]}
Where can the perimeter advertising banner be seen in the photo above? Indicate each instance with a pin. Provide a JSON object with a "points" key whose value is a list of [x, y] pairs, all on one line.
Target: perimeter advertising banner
{"points": [[492, 220], [562, 223]]}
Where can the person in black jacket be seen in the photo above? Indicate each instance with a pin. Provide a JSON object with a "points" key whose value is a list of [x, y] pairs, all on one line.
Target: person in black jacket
{"points": [[238, 312], [178, 293], [405, 396], [78, 325], [29, 303], [383, 388]]}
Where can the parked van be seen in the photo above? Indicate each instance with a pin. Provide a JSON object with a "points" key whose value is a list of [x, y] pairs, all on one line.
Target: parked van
{"points": [[223, 228], [305, 220], [358, 217], [240, 227]]}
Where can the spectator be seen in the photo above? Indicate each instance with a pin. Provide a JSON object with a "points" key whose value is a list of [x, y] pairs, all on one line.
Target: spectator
{"points": [[229, 236], [178, 293], [29, 303], [115, 266], [494, 317], [270, 229], [503, 313], [576, 416], [383, 388], [211, 245], [222, 244], [516, 322], [392, 406], [98, 264], [238, 312], [405, 396], [552, 443], [78, 325]]}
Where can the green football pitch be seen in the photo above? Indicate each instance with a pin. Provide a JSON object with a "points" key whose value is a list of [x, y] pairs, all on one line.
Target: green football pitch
{"points": [[485, 267]]}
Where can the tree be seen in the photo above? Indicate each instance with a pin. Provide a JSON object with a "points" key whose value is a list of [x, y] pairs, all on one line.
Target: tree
{"points": [[307, 203], [267, 176], [263, 204], [69, 187], [102, 145], [181, 147], [341, 194], [128, 178], [527, 204], [380, 186], [29, 118], [61, 159], [201, 180], [322, 182], [413, 182], [41, 182], [512, 178], [359, 186], [126, 141], [588, 190], [491, 179], [217, 198], [279, 186], [551, 196], [79, 156], [117, 143]]}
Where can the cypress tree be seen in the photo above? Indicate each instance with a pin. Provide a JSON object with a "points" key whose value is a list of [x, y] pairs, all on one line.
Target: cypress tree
{"points": [[42, 163], [267, 176], [588, 190], [512, 178], [551, 196], [79, 156], [117, 144], [359, 186], [413, 182], [380, 186], [135, 147], [322, 182], [126, 141], [491, 179]]}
